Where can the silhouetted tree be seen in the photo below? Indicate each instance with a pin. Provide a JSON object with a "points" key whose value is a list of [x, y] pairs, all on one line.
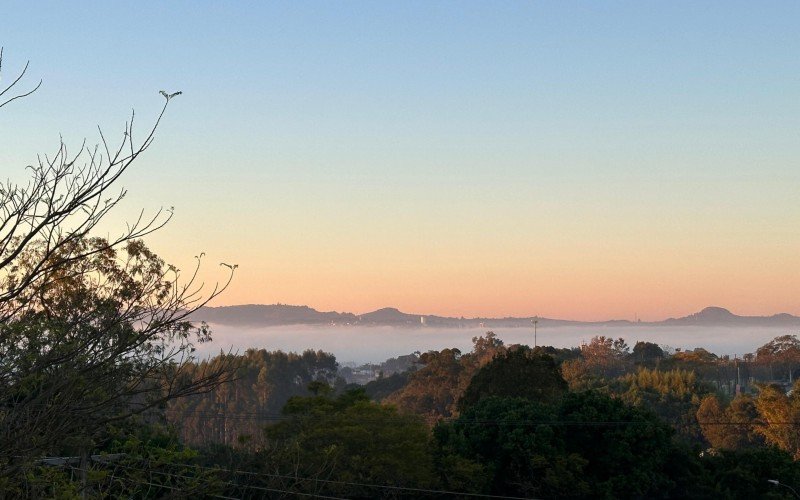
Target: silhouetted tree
{"points": [[92, 330], [589, 445], [627, 449], [349, 439], [509, 446], [745, 474], [518, 373], [647, 353]]}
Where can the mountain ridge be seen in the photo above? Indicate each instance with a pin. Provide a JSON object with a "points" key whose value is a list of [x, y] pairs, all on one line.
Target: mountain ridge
{"points": [[263, 315]]}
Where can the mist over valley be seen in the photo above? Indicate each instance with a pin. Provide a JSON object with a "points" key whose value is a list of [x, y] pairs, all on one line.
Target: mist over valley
{"points": [[372, 344]]}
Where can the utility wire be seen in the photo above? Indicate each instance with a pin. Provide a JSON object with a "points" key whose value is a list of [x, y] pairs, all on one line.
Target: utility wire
{"points": [[229, 483], [254, 416], [115, 466], [131, 480], [279, 417], [350, 483]]}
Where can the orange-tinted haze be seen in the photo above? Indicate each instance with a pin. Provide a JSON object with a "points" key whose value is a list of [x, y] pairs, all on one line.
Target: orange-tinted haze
{"points": [[607, 286]]}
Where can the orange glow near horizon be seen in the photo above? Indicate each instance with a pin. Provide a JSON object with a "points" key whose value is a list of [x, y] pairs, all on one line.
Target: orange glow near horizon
{"points": [[586, 292], [652, 264]]}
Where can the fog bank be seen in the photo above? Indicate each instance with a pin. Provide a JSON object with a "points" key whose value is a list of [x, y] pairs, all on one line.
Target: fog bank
{"points": [[375, 344]]}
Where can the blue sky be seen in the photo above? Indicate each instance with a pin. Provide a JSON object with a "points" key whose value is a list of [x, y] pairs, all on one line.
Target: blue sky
{"points": [[444, 156]]}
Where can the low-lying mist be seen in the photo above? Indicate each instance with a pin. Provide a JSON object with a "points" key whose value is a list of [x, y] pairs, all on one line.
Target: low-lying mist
{"points": [[376, 344]]}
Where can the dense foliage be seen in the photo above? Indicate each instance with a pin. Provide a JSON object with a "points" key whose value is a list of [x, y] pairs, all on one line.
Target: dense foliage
{"points": [[500, 420], [261, 386], [94, 331]]}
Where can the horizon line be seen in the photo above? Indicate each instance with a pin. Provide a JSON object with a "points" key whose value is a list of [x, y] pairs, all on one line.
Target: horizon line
{"points": [[635, 320]]}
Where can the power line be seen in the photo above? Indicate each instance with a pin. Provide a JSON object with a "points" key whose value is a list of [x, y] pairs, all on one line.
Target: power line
{"points": [[280, 417], [229, 483], [131, 480], [255, 416], [350, 483]]}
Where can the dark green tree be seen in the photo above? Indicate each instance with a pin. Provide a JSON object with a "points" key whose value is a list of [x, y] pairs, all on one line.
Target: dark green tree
{"points": [[350, 439], [588, 445], [382, 387], [509, 446], [627, 449], [518, 373], [647, 353], [745, 474]]}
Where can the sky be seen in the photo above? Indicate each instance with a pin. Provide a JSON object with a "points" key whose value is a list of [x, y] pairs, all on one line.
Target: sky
{"points": [[583, 160]]}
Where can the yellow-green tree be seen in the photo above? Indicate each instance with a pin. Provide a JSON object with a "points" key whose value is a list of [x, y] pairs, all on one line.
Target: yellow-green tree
{"points": [[779, 414]]}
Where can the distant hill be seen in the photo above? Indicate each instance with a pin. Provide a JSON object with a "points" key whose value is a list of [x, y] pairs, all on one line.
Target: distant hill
{"points": [[389, 316], [718, 316], [259, 315], [254, 315]]}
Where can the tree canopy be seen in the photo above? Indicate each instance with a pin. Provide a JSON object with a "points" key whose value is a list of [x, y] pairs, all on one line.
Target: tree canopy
{"points": [[516, 373], [92, 329]]}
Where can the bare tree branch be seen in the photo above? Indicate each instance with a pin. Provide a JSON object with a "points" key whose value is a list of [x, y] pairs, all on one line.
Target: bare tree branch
{"points": [[92, 330], [15, 82]]}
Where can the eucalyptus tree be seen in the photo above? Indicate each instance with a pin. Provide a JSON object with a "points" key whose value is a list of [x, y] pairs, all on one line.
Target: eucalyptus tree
{"points": [[92, 329]]}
